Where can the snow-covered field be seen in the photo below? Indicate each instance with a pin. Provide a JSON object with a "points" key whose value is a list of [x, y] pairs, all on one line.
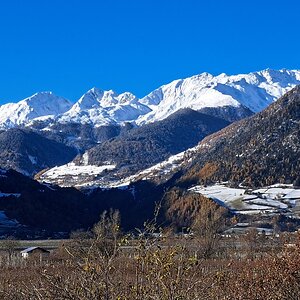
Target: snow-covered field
{"points": [[70, 174], [266, 200]]}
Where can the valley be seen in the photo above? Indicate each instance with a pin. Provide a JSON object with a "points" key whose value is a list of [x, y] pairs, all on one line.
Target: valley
{"points": [[149, 150], [116, 151]]}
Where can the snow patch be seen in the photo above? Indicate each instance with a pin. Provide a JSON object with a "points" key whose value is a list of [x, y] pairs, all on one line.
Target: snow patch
{"points": [[33, 159], [264, 200], [71, 174], [85, 158], [71, 169]]}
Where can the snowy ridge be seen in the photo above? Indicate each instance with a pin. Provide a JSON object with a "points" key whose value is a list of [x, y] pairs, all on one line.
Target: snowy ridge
{"points": [[40, 105], [162, 169], [254, 91]]}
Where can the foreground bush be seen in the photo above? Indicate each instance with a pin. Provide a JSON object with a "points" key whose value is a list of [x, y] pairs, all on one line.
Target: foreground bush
{"points": [[104, 264]]}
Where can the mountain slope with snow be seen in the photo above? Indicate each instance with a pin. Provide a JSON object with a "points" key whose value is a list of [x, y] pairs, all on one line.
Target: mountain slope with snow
{"points": [[258, 151], [40, 105], [254, 91], [137, 149]]}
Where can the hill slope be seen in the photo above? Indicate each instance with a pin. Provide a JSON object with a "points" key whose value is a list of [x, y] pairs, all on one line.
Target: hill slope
{"points": [[144, 146], [261, 150], [31, 209], [29, 152]]}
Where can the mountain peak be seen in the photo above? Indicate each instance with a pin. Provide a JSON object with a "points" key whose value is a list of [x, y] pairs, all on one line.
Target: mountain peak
{"points": [[89, 99], [94, 91], [44, 98], [204, 75], [38, 105]]}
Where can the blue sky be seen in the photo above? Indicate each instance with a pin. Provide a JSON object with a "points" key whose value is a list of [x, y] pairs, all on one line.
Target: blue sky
{"points": [[137, 45]]}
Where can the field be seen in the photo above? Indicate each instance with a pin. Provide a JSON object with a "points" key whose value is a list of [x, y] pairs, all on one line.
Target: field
{"points": [[154, 264]]}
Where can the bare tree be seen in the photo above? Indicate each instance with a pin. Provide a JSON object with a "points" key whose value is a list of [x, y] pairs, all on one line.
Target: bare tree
{"points": [[207, 225], [10, 245]]}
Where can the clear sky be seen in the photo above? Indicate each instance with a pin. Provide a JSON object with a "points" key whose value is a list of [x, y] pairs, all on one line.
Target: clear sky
{"points": [[69, 46]]}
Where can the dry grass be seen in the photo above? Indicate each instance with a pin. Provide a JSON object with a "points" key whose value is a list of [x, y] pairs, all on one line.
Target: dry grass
{"points": [[153, 268], [104, 264]]}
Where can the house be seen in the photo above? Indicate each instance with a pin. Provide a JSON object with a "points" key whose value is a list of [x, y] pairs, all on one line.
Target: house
{"points": [[34, 252]]}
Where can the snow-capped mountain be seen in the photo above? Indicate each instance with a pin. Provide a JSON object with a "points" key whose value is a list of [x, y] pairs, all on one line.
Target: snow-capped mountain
{"points": [[104, 107], [254, 91], [238, 94], [40, 105]]}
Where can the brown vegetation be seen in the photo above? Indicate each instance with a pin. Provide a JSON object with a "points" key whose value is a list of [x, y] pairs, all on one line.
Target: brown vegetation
{"points": [[104, 264]]}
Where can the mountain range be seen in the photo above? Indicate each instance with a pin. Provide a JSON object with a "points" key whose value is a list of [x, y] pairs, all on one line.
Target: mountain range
{"points": [[88, 125], [245, 94], [260, 150]]}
